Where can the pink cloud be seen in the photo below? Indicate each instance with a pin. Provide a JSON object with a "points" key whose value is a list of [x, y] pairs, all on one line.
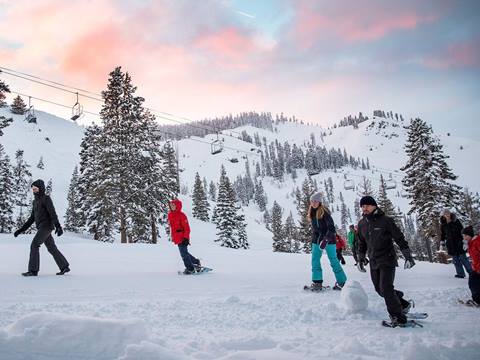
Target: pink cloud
{"points": [[353, 22], [462, 54]]}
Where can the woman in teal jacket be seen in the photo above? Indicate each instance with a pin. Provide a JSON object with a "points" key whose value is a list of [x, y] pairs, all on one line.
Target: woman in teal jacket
{"points": [[323, 238]]}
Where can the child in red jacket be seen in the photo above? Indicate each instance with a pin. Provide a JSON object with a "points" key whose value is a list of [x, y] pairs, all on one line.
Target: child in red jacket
{"points": [[341, 244], [180, 232], [474, 251]]}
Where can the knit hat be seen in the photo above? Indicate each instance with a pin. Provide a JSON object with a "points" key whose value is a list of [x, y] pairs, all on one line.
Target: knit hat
{"points": [[468, 231], [317, 197], [368, 200]]}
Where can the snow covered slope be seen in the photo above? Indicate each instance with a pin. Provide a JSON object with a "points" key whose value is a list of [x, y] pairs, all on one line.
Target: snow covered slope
{"points": [[127, 302]]}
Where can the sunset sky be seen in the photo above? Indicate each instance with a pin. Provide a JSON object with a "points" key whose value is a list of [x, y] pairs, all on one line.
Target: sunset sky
{"points": [[317, 60]]}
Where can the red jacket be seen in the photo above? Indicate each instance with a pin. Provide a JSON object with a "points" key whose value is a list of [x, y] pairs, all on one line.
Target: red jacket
{"points": [[474, 251], [178, 221], [341, 243]]}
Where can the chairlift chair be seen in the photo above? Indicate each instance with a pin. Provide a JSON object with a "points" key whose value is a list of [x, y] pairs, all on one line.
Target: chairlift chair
{"points": [[313, 172], [390, 184], [349, 184], [217, 146], [233, 160], [30, 116], [77, 110]]}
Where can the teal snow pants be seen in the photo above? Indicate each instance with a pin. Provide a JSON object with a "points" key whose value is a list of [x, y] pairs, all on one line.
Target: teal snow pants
{"points": [[317, 274]]}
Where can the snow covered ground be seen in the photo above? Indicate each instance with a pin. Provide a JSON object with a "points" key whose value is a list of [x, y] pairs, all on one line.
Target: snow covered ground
{"points": [[127, 302]]}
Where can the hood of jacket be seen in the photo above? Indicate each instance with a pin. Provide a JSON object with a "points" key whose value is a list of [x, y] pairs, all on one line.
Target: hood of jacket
{"points": [[178, 205], [40, 184]]}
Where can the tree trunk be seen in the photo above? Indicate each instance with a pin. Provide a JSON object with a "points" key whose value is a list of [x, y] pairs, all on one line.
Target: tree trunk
{"points": [[429, 249], [123, 226], [154, 229]]}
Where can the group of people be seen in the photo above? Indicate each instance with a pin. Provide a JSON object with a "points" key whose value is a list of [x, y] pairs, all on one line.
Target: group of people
{"points": [[46, 221], [374, 236]]}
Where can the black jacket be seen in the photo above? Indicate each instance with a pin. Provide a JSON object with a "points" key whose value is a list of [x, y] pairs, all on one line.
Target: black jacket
{"points": [[43, 211], [451, 234], [323, 228], [376, 234]]}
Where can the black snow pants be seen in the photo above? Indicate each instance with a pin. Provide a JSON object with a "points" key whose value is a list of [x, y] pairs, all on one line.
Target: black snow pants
{"points": [[382, 279], [44, 235]]}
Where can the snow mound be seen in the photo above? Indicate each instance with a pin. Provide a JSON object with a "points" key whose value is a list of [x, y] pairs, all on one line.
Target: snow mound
{"points": [[149, 351], [52, 336], [353, 297]]}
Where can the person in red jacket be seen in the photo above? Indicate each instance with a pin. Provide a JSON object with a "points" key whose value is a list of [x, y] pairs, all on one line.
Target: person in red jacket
{"points": [[474, 251], [341, 244], [180, 232]]}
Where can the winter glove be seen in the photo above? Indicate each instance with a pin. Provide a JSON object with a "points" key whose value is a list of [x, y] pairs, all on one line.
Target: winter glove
{"points": [[185, 241], [409, 262], [16, 233], [323, 243], [362, 262], [58, 230]]}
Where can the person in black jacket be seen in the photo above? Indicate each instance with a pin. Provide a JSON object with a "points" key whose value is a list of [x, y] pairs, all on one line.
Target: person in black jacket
{"points": [[46, 220], [451, 236], [376, 234]]}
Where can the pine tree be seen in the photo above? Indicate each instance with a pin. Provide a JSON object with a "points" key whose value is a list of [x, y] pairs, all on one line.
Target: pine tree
{"points": [[260, 198], [212, 191], [171, 168], [428, 179], [267, 219], [72, 215], [18, 106], [6, 193], [241, 231], [4, 122], [356, 207], [386, 205], [48, 188], [291, 234], [3, 90], [470, 209], [199, 199], [303, 204], [343, 215], [21, 186], [365, 188], [279, 242]]}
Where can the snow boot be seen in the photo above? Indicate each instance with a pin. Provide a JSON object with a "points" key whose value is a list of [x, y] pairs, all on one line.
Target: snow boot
{"points": [[30, 273], [338, 286], [188, 272], [460, 276], [407, 308], [198, 267], [63, 271], [315, 286]]}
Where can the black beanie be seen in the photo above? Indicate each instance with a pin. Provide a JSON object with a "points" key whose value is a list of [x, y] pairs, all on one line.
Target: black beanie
{"points": [[468, 231], [368, 200]]}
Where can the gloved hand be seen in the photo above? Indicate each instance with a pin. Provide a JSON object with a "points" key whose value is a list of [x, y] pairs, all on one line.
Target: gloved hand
{"points": [[185, 241], [323, 244], [361, 263], [409, 262], [16, 233], [58, 230]]}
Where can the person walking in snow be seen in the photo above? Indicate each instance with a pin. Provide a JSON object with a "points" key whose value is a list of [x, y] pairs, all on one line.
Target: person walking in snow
{"points": [[341, 244], [46, 220], [376, 234], [323, 238], [473, 242], [352, 241], [180, 233], [451, 236]]}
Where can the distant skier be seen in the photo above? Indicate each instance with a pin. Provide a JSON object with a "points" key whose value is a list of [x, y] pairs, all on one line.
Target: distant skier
{"points": [[451, 236], [352, 241], [180, 232], [341, 244], [473, 242], [46, 220], [323, 237], [376, 233]]}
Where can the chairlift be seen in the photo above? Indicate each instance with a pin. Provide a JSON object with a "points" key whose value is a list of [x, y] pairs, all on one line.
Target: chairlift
{"points": [[349, 184], [404, 192], [216, 146], [233, 160], [390, 184], [77, 110], [30, 117], [313, 172]]}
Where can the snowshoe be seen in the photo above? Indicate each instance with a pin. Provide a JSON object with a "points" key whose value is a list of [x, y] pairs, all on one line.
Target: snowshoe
{"points": [[406, 309], [315, 287], [417, 316], [201, 270], [469, 303], [394, 324]]}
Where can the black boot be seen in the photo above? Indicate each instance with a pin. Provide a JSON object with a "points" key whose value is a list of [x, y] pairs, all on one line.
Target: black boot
{"points": [[30, 273], [63, 271]]}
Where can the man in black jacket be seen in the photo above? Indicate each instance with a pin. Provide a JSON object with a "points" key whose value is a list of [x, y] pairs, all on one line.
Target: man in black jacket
{"points": [[451, 236], [46, 220], [376, 233]]}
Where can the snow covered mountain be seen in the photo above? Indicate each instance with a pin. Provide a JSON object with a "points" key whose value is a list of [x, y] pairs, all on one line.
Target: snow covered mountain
{"points": [[379, 139]]}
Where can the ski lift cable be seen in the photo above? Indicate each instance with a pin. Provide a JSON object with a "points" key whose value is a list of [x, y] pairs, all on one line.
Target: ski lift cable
{"points": [[27, 77], [96, 114]]}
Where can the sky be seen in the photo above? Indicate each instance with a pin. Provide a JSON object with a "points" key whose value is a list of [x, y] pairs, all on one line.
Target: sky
{"points": [[318, 60]]}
